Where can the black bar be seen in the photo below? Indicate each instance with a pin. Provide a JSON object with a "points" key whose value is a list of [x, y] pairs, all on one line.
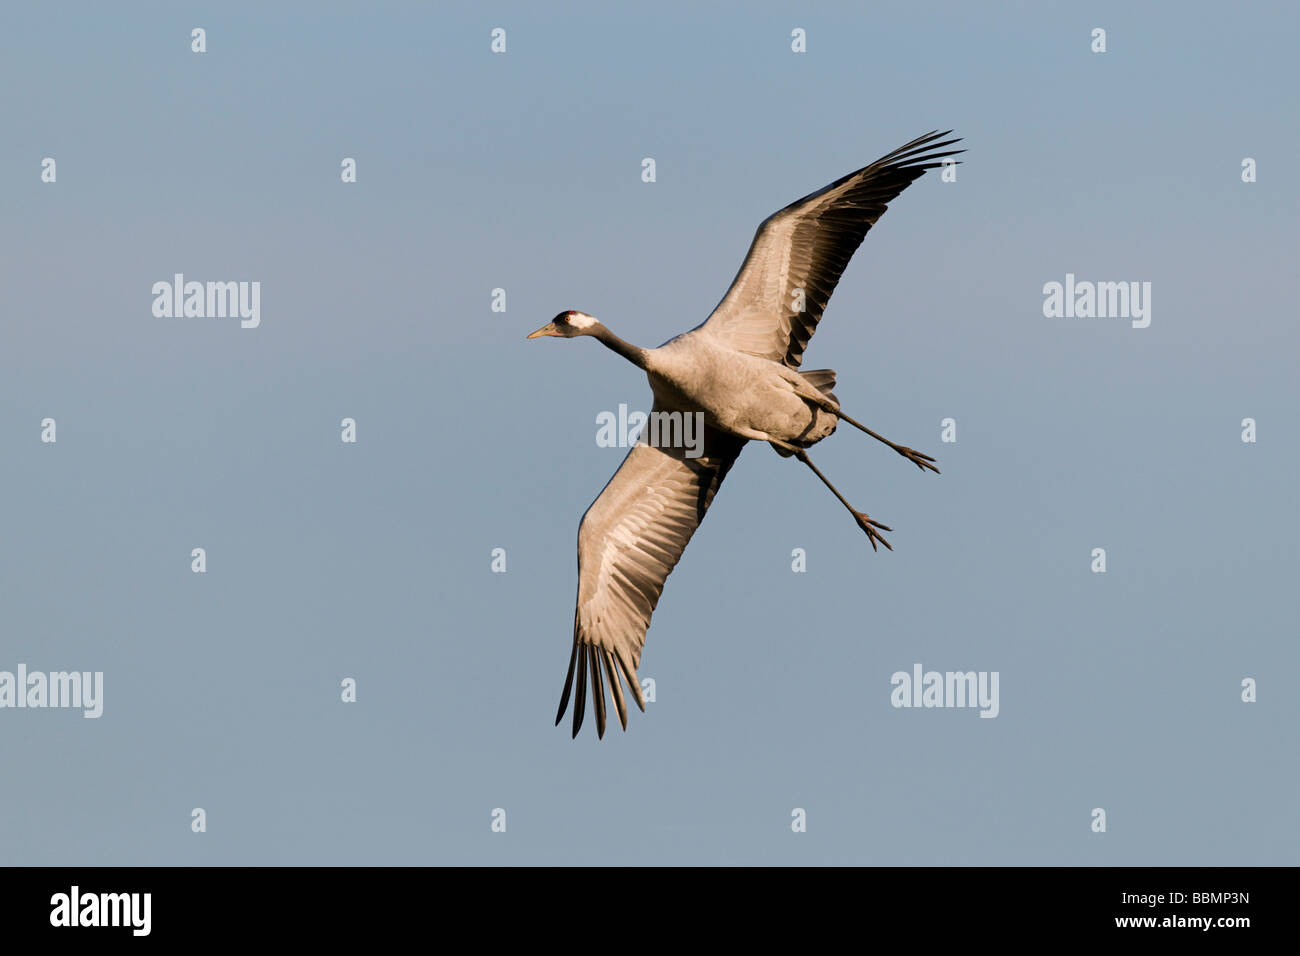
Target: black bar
{"points": [[246, 904]]}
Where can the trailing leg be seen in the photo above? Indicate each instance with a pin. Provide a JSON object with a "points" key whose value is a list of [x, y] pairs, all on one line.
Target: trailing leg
{"points": [[865, 523], [915, 457]]}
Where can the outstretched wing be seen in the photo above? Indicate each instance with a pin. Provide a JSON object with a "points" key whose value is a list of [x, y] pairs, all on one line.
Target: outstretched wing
{"points": [[629, 542], [804, 248]]}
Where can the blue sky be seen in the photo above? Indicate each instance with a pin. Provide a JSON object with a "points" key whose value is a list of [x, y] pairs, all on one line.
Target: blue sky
{"points": [[522, 171]]}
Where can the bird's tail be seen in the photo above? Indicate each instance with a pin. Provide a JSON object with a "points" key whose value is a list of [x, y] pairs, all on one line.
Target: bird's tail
{"points": [[822, 379]]}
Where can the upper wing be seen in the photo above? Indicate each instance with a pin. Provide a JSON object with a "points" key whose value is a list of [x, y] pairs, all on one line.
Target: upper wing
{"points": [[629, 541], [806, 246]]}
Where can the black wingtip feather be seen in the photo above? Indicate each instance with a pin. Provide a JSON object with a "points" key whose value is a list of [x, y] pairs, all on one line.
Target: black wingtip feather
{"points": [[568, 686], [597, 690], [615, 688], [633, 684], [580, 700]]}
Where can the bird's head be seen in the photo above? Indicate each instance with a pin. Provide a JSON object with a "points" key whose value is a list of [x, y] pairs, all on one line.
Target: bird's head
{"points": [[567, 325]]}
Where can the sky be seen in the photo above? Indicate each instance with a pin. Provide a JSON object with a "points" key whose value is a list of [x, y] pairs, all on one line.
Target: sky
{"points": [[372, 560]]}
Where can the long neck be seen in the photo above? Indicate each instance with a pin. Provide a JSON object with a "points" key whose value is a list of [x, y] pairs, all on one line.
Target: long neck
{"points": [[632, 353]]}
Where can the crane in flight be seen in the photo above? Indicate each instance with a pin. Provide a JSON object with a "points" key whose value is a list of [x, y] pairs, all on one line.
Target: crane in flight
{"points": [[740, 368]]}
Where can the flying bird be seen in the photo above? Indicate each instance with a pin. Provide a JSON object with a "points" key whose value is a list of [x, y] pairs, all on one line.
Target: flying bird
{"points": [[740, 368]]}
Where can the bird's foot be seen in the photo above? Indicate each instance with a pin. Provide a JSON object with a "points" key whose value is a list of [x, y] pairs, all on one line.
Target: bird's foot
{"points": [[869, 526], [915, 457]]}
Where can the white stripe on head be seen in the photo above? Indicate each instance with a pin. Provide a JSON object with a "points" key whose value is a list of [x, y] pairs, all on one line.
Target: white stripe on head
{"points": [[581, 320]]}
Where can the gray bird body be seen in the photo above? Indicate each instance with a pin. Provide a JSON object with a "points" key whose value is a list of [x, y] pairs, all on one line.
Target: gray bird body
{"points": [[740, 368], [745, 395]]}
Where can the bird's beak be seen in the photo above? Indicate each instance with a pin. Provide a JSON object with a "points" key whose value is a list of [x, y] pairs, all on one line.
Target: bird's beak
{"points": [[547, 329]]}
